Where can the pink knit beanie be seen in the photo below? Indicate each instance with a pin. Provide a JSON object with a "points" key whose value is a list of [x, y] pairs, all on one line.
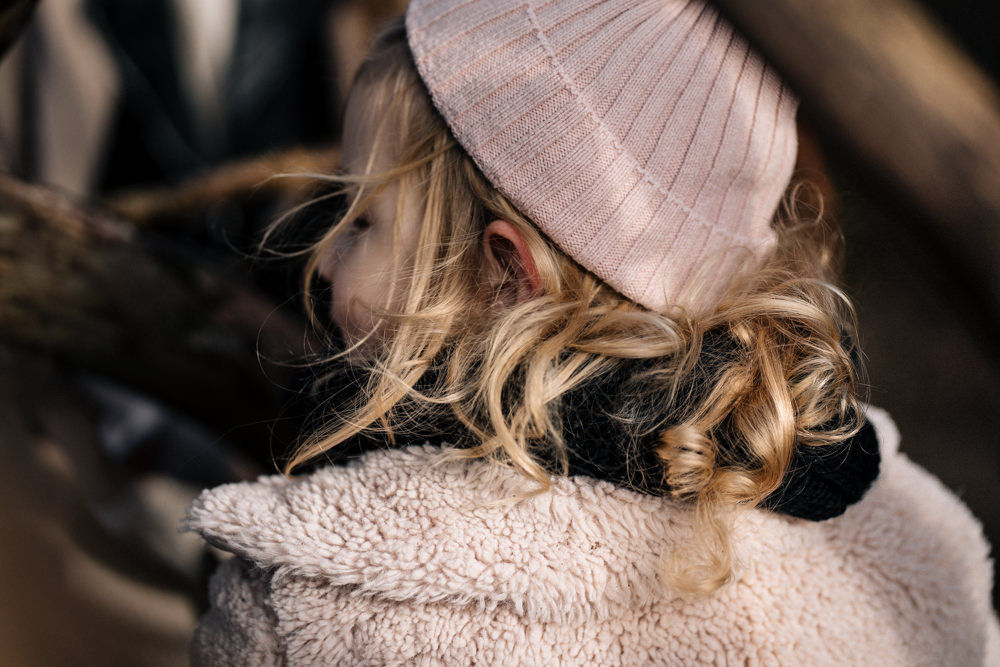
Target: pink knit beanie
{"points": [[644, 137]]}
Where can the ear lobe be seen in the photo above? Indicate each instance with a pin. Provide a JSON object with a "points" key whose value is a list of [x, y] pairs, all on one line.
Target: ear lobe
{"points": [[511, 267]]}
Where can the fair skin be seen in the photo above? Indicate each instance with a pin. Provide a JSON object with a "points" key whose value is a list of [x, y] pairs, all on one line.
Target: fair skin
{"points": [[359, 267]]}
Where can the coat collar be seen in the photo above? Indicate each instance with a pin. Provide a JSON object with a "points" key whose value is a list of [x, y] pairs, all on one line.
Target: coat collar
{"points": [[410, 524]]}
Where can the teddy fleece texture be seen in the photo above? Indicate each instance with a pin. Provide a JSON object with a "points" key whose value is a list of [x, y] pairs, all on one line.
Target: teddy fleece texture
{"points": [[402, 559]]}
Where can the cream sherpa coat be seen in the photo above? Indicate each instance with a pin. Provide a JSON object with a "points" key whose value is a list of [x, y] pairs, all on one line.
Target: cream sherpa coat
{"points": [[400, 560]]}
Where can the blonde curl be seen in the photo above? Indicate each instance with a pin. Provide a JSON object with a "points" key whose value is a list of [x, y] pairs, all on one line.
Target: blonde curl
{"points": [[789, 370]]}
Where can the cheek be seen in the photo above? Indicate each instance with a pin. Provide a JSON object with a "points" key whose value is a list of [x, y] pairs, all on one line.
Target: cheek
{"points": [[352, 318], [358, 279]]}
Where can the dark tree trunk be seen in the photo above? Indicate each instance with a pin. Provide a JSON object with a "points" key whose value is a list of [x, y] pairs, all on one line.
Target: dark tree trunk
{"points": [[908, 102]]}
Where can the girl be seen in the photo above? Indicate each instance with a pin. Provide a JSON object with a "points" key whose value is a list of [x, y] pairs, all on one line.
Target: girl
{"points": [[599, 393]]}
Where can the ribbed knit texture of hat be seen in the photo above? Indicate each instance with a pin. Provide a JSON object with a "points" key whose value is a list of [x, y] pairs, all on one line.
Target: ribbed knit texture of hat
{"points": [[644, 137]]}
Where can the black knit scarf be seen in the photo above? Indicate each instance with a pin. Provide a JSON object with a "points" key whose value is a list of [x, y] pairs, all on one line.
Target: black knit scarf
{"points": [[821, 483]]}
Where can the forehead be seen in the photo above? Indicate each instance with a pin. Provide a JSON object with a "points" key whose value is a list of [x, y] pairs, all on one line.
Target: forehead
{"points": [[370, 146], [367, 135]]}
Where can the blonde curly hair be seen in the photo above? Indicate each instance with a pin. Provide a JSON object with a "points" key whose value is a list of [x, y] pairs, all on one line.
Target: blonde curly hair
{"points": [[788, 373]]}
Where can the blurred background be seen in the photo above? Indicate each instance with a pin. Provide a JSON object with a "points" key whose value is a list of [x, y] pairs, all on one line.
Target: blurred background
{"points": [[146, 354]]}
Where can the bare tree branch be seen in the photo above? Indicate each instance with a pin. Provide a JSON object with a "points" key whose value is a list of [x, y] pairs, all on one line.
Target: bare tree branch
{"points": [[274, 173], [88, 290]]}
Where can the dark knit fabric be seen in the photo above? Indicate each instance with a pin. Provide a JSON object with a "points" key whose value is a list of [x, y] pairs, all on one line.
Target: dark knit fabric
{"points": [[821, 483]]}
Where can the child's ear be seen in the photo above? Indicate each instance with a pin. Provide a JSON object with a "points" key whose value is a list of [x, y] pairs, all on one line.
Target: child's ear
{"points": [[510, 265]]}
